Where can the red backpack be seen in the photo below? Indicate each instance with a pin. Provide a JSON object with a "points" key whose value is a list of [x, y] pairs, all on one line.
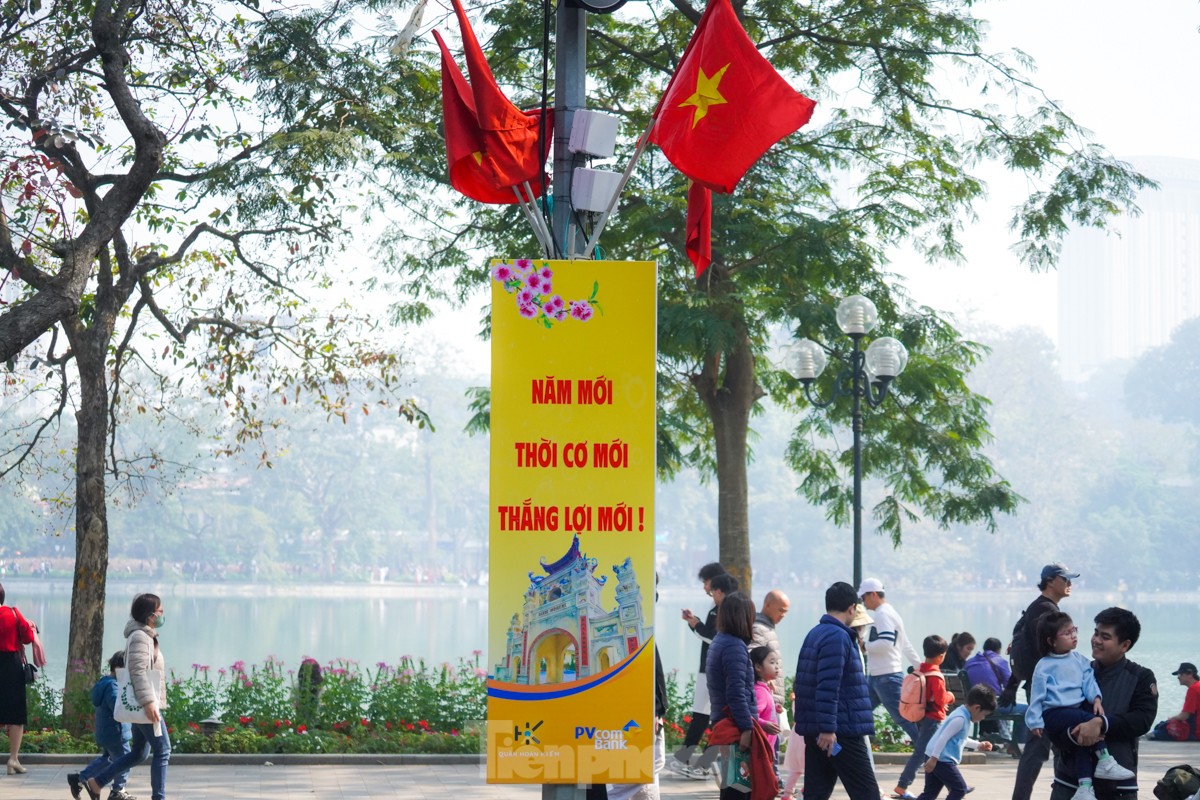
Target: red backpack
{"points": [[914, 698]]}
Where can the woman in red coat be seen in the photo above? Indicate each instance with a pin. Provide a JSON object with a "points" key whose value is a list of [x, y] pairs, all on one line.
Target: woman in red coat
{"points": [[15, 633]]}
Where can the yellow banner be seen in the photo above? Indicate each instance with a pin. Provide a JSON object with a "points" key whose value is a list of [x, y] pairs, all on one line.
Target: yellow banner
{"points": [[571, 572]]}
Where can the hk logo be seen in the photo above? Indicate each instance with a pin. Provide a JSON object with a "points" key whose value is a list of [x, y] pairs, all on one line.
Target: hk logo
{"points": [[526, 736]]}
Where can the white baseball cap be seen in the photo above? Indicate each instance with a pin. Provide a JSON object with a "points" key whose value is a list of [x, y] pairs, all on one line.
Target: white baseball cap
{"points": [[870, 585]]}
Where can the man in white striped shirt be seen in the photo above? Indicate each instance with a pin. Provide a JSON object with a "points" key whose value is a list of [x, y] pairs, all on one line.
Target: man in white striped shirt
{"points": [[887, 644]]}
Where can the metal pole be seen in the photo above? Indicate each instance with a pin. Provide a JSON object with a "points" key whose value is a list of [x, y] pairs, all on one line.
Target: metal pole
{"points": [[570, 89], [570, 94], [856, 366]]}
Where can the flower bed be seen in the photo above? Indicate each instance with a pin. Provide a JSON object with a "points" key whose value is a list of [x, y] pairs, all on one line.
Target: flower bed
{"points": [[270, 708], [338, 708]]}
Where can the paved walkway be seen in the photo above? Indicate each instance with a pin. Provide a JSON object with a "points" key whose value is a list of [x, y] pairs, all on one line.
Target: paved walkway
{"points": [[193, 778]]}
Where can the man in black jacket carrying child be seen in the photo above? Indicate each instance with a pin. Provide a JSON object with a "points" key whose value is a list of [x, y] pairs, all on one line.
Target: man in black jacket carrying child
{"points": [[1130, 706]]}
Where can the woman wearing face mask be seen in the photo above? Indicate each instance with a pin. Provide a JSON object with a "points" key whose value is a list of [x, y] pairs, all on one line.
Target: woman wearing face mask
{"points": [[142, 654]]}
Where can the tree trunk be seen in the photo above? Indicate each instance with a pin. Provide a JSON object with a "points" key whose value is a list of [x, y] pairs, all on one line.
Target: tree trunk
{"points": [[91, 528], [729, 394]]}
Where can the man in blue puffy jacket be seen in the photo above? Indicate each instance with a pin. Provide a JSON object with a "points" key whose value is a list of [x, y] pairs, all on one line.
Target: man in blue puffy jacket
{"points": [[833, 704]]}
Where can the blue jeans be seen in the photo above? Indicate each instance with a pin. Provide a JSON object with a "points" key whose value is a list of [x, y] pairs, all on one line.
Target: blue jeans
{"points": [[1018, 733], [144, 741], [885, 689], [925, 729], [112, 752]]}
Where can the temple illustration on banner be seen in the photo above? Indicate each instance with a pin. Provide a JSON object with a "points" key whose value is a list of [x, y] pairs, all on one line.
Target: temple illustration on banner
{"points": [[562, 633]]}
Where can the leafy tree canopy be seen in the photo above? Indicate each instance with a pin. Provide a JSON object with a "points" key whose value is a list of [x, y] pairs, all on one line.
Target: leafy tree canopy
{"points": [[911, 104]]}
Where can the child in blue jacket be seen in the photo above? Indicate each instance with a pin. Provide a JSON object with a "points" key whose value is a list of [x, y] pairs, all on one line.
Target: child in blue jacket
{"points": [[1065, 694], [112, 736]]}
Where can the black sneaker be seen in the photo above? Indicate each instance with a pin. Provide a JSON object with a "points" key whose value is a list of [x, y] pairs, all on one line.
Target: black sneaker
{"points": [[120, 794], [73, 782]]}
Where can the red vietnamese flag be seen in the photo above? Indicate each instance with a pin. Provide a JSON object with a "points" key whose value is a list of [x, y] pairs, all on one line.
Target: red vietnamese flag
{"points": [[470, 173], [725, 105], [698, 240], [510, 135]]}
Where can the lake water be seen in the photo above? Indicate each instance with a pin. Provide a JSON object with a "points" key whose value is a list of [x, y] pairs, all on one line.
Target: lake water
{"points": [[216, 625]]}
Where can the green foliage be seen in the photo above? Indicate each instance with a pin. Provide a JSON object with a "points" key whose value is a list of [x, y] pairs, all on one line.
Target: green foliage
{"points": [[1165, 380], [43, 702], [892, 161], [409, 707]]}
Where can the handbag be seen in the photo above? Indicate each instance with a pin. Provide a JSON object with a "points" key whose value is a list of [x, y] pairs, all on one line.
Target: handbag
{"points": [[29, 671], [128, 708], [737, 769]]}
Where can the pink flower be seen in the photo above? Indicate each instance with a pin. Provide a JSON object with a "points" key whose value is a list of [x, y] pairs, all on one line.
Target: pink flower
{"points": [[525, 297], [534, 282], [522, 266], [528, 310], [502, 272], [554, 308], [581, 310]]}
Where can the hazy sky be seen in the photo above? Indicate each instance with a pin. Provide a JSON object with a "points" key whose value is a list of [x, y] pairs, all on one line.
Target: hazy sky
{"points": [[1129, 72]]}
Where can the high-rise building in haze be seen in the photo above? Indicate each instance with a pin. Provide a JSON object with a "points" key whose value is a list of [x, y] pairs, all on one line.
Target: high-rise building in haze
{"points": [[1121, 294]]}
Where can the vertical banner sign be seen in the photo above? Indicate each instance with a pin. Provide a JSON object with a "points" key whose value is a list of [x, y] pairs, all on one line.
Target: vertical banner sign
{"points": [[571, 572]]}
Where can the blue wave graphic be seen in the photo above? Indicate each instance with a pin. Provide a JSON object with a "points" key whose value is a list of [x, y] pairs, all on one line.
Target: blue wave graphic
{"points": [[566, 691]]}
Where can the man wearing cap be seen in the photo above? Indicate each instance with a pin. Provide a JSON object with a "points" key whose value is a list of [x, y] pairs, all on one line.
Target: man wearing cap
{"points": [[886, 643], [1130, 694], [1054, 585], [1184, 726]]}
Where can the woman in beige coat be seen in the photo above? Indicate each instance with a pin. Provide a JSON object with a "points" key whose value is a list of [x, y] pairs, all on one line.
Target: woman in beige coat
{"points": [[142, 654]]}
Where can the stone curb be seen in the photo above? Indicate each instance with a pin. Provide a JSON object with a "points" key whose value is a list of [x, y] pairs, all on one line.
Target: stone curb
{"points": [[279, 759], [380, 759]]}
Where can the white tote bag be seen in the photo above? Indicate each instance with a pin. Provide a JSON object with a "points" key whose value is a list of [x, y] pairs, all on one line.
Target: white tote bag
{"points": [[127, 708]]}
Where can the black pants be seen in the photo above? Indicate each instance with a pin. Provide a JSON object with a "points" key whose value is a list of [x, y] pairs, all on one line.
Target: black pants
{"points": [[692, 738], [852, 766], [1036, 752]]}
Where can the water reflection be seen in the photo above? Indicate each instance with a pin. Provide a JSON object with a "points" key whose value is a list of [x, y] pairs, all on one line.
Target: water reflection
{"points": [[216, 631]]}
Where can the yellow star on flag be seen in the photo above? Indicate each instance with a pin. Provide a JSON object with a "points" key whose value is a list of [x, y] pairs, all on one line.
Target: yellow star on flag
{"points": [[707, 94]]}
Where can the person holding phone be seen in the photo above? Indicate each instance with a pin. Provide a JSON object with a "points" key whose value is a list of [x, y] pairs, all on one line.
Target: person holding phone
{"points": [[833, 704]]}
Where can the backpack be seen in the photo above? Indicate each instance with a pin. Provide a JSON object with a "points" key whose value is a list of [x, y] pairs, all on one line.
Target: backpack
{"points": [[913, 698], [1179, 783], [1018, 654]]}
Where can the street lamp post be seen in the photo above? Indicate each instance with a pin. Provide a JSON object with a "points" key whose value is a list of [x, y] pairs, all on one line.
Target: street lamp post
{"points": [[867, 375]]}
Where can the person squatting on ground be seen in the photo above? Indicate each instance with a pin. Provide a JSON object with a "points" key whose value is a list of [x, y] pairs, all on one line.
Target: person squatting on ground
{"points": [[1184, 726], [112, 736], [1064, 695], [142, 655], [1055, 584], [938, 700], [706, 629], [886, 644], [833, 704], [1130, 705], [945, 748], [735, 720]]}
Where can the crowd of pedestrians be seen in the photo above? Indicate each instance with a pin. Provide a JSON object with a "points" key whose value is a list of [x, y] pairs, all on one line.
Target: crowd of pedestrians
{"points": [[1090, 712]]}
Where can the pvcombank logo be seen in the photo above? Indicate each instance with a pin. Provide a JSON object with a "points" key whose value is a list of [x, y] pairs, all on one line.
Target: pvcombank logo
{"points": [[606, 739]]}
